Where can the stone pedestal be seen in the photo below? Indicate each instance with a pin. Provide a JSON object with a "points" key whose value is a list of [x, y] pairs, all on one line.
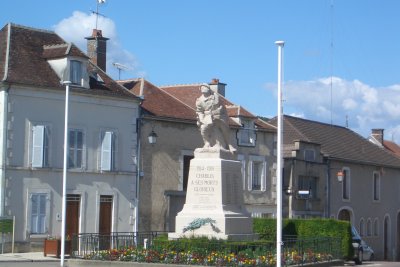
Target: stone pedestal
{"points": [[214, 199]]}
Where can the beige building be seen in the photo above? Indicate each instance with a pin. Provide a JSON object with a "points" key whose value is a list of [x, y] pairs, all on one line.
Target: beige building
{"points": [[101, 177], [170, 113], [348, 177]]}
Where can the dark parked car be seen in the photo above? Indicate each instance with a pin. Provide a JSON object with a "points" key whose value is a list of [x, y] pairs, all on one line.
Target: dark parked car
{"points": [[361, 249]]}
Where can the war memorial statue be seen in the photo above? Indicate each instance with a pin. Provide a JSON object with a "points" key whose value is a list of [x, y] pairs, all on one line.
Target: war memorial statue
{"points": [[212, 119], [214, 205]]}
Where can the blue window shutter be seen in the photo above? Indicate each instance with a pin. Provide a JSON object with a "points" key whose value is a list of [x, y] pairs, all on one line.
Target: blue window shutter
{"points": [[107, 151], [38, 146]]}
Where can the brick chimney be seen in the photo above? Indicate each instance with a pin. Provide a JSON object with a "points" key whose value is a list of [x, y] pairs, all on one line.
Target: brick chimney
{"points": [[378, 135], [218, 87], [97, 49]]}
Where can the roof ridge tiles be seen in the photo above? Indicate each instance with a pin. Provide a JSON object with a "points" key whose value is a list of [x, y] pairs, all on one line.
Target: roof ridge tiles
{"points": [[30, 28], [55, 46], [180, 85]]}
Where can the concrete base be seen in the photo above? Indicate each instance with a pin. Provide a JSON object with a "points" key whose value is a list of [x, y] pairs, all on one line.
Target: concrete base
{"points": [[214, 200]]}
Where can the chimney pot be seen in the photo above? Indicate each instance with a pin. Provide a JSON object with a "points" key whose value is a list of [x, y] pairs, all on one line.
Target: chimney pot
{"points": [[217, 87], [97, 49]]}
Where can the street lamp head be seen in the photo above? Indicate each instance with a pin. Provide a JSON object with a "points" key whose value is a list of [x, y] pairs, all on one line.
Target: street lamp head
{"points": [[280, 43], [152, 138]]}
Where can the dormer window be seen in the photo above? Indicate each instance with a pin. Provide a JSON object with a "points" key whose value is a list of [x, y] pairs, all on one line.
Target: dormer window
{"points": [[246, 135], [76, 72]]}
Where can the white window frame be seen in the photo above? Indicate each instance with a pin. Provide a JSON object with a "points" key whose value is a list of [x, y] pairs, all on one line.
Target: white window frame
{"points": [[108, 150], [263, 173], [76, 72], [346, 183], [246, 135], [40, 146], [46, 220], [76, 149], [376, 186], [242, 160]]}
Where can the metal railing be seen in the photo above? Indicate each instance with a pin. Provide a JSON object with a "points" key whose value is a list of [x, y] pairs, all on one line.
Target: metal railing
{"points": [[88, 243], [116, 246]]}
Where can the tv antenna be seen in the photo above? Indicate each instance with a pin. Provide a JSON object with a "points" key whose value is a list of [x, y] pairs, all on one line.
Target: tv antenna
{"points": [[99, 2], [120, 67]]}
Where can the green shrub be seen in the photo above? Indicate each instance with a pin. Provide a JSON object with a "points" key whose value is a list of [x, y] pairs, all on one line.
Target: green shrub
{"points": [[308, 228]]}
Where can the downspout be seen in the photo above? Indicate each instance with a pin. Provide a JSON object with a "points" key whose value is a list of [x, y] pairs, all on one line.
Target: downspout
{"points": [[5, 88], [291, 185], [138, 157], [328, 189]]}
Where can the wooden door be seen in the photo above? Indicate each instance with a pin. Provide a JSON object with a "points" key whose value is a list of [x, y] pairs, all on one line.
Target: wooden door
{"points": [[72, 215], [105, 220]]}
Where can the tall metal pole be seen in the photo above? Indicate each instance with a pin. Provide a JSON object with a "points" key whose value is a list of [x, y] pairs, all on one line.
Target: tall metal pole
{"points": [[280, 45], [64, 188]]}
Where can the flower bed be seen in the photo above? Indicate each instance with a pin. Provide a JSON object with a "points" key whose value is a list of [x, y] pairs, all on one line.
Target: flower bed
{"points": [[214, 258]]}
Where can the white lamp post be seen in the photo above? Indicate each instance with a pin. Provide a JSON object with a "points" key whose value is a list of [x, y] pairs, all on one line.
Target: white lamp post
{"points": [[64, 189], [280, 45]]}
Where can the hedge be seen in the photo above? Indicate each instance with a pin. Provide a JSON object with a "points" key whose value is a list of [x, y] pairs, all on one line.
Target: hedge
{"points": [[307, 228]]}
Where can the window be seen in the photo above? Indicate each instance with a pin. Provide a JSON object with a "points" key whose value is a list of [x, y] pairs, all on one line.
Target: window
{"points": [[346, 184], [75, 145], [376, 186], [40, 146], [76, 72], [362, 227], [309, 183], [309, 155], [246, 136], [38, 213], [186, 168], [107, 151], [257, 173], [376, 227], [369, 227], [243, 169]]}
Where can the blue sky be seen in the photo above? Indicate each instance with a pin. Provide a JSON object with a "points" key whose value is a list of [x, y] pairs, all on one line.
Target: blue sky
{"points": [[341, 60]]}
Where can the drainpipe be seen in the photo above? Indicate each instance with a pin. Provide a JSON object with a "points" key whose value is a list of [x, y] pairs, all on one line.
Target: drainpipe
{"points": [[5, 88], [3, 153], [138, 157], [328, 189]]}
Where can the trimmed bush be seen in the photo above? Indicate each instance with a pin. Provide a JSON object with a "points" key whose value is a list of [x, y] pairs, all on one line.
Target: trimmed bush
{"points": [[307, 228]]}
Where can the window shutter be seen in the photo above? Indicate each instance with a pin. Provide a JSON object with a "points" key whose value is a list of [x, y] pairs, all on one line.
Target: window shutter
{"points": [[264, 177], [37, 146], [107, 151], [250, 180]]}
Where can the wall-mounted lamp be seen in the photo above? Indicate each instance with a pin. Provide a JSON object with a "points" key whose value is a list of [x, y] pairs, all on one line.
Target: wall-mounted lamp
{"points": [[340, 176], [152, 137]]}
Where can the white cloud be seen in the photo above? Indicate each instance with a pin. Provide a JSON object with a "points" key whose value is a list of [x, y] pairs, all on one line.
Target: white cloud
{"points": [[361, 106], [80, 25]]}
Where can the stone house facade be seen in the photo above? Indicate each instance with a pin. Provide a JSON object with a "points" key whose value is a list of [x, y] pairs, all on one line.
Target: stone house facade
{"points": [[348, 177], [170, 112], [101, 177]]}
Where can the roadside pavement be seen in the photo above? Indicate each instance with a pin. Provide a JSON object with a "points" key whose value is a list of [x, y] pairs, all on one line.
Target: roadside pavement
{"points": [[27, 257]]}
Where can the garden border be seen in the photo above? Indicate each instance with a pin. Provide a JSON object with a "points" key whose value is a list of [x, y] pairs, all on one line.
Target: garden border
{"points": [[97, 263]]}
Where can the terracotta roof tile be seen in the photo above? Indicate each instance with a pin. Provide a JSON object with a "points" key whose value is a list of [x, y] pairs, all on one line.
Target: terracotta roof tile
{"points": [[393, 147], [159, 103], [336, 141]]}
